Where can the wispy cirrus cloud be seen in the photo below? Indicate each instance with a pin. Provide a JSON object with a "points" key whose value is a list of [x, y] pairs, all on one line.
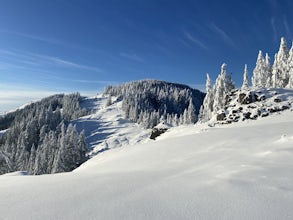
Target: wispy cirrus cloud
{"points": [[286, 26], [131, 56], [38, 38], [103, 82], [225, 37], [65, 63], [194, 40], [29, 59], [274, 29]]}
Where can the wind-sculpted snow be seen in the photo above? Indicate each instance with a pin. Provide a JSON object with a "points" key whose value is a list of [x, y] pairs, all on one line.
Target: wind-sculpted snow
{"points": [[237, 171]]}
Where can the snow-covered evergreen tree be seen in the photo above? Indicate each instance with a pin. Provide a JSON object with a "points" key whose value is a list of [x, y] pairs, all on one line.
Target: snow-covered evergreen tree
{"points": [[191, 117], [220, 90], [258, 71], [229, 83], [207, 107], [290, 68], [262, 71], [280, 76], [245, 84], [267, 78]]}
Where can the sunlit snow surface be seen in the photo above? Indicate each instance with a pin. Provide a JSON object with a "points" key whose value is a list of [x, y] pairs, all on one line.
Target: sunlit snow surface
{"points": [[238, 171]]}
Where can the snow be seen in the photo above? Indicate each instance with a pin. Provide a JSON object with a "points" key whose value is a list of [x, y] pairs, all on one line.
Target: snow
{"points": [[265, 101], [106, 127], [237, 171], [3, 132]]}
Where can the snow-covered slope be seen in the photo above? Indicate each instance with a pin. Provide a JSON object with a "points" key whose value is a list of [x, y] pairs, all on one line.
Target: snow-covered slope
{"points": [[105, 128], [238, 171]]}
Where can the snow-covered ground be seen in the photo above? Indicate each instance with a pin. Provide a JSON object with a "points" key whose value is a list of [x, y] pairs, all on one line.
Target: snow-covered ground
{"points": [[2, 132], [238, 171], [105, 128]]}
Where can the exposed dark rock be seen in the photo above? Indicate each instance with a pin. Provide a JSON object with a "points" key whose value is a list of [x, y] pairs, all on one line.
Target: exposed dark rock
{"points": [[157, 132], [246, 115], [234, 111], [277, 100], [284, 107], [221, 116], [245, 98], [251, 106]]}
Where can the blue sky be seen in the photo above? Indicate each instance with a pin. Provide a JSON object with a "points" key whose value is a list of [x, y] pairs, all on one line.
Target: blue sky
{"points": [[58, 46]]}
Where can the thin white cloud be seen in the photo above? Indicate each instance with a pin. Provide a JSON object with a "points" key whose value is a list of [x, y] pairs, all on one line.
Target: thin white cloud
{"points": [[287, 28], [104, 82], [225, 37], [274, 28], [34, 59], [39, 38], [132, 56], [195, 40], [64, 63]]}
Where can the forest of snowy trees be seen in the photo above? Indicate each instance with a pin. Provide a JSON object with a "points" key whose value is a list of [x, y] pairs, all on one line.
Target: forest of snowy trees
{"points": [[40, 139], [265, 75], [148, 102]]}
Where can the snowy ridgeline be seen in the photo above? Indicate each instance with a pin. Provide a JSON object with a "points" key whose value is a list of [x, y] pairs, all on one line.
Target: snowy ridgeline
{"points": [[148, 102]]}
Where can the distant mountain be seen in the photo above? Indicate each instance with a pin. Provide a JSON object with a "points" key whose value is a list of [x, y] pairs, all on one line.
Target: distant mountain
{"points": [[148, 102]]}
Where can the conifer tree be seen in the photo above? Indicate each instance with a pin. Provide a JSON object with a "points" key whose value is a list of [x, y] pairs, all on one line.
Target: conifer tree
{"points": [[258, 71], [207, 107], [220, 90], [267, 79], [290, 67], [280, 76], [245, 84], [191, 113]]}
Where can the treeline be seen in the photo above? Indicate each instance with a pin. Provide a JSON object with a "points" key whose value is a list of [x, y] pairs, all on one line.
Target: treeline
{"points": [[40, 138], [147, 102]]}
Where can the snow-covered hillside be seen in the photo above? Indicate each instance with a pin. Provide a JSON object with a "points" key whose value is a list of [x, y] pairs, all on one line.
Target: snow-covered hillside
{"points": [[106, 127], [237, 171]]}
